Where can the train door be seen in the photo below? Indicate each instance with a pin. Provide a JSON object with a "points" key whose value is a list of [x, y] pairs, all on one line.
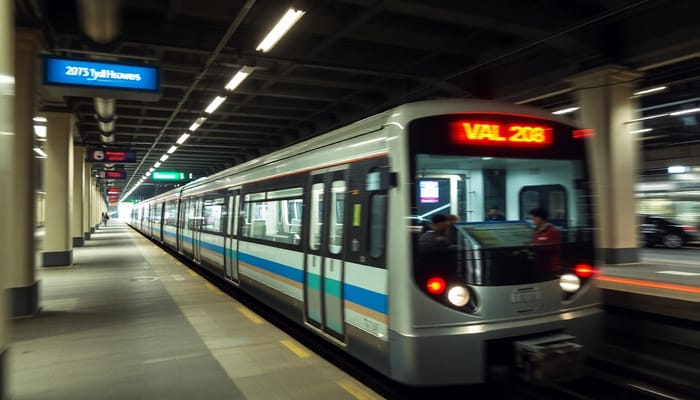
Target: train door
{"points": [[197, 231], [186, 231], [323, 265], [231, 245]]}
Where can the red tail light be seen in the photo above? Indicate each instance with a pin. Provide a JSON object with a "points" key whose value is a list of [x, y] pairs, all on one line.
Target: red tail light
{"points": [[436, 285], [687, 228], [584, 270]]}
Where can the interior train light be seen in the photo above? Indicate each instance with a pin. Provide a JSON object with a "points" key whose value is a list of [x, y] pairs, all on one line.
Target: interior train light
{"points": [[436, 285], [499, 134], [683, 112], [40, 152], [183, 138], [214, 104], [584, 271], [458, 296], [569, 283], [280, 29]]}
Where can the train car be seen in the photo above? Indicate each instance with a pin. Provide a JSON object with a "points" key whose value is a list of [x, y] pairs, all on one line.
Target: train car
{"points": [[328, 232]]}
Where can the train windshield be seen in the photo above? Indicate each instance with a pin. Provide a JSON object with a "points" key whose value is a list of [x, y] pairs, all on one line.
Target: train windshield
{"points": [[472, 207]]}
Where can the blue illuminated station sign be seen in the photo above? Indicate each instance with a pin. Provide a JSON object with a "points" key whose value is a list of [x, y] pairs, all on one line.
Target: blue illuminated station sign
{"points": [[100, 78]]}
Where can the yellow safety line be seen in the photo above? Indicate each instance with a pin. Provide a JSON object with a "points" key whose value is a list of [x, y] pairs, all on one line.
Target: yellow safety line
{"points": [[250, 315], [213, 288], [356, 390], [295, 348], [192, 273]]}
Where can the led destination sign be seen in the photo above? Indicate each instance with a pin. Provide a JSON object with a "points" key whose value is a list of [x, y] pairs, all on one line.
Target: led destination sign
{"points": [[113, 191], [111, 174], [499, 134], [113, 156], [65, 71]]}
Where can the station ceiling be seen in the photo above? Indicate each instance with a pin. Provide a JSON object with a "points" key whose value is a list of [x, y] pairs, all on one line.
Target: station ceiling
{"points": [[348, 59]]}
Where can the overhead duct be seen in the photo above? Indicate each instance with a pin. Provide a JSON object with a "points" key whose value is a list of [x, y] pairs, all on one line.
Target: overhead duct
{"points": [[99, 20]]}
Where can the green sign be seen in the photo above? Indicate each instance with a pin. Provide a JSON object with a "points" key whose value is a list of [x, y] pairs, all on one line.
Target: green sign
{"points": [[168, 176]]}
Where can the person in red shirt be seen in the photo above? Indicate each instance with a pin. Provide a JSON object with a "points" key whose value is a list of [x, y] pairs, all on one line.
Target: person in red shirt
{"points": [[546, 241]]}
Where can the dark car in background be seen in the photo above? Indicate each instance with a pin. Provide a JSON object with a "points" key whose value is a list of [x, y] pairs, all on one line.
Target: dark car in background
{"points": [[657, 230]]}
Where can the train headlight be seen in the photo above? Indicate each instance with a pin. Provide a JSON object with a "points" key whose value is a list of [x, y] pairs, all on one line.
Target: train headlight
{"points": [[458, 296], [569, 283]]}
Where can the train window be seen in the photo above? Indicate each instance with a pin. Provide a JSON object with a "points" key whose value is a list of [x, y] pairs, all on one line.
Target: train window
{"points": [[276, 219], [316, 216], [190, 217], [213, 214], [377, 225], [336, 223], [170, 217]]}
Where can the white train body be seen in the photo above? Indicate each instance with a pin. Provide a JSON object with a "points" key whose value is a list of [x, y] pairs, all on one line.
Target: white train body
{"points": [[325, 231]]}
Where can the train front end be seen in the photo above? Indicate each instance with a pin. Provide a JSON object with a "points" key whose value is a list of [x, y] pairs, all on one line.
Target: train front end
{"points": [[494, 290]]}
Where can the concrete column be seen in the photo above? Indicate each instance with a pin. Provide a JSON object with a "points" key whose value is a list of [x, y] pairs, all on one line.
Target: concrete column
{"points": [[7, 129], [58, 178], [604, 95], [78, 171], [87, 181], [22, 286], [95, 206]]}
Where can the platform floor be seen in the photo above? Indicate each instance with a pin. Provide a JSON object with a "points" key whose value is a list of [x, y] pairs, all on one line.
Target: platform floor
{"points": [[128, 321]]}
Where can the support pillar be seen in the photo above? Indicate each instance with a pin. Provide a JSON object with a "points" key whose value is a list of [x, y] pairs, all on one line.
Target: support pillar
{"points": [[604, 95], [78, 171], [58, 178], [7, 129], [87, 181], [22, 286]]}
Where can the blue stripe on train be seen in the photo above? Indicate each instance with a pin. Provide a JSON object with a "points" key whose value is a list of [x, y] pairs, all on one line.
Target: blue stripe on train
{"points": [[366, 298]]}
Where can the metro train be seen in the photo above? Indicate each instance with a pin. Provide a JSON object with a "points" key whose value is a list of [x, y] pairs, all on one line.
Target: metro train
{"points": [[326, 232]]}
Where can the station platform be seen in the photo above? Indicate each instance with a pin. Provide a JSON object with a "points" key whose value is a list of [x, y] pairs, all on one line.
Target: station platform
{"points": [[129, 321], [672, 276]]}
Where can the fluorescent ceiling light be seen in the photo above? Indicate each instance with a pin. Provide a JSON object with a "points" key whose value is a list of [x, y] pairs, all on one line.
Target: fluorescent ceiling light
{"points": [[214, 104], [647, 118], [40, 152], [40, 119], [165, 157], [678, 169], [642, 130], [239, 77], [157, 164], [565, 110], [151, 169], [650, 90], [148, 174], [183, 137], [172, 149], [683, 112], [196, 124], [40, 131], [283, 25]]}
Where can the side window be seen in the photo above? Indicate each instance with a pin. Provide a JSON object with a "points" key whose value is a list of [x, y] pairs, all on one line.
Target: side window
{"points": [[316, 216], [336, 224], [274, 216], [377, 225], [190, 217], [170, 217], [213, 214]]}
